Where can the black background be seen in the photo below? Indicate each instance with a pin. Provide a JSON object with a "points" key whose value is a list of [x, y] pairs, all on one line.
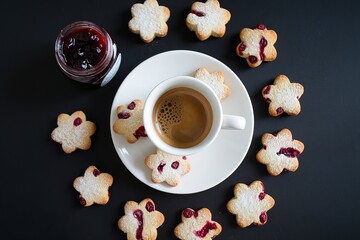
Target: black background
{"points": [[318, 46]]}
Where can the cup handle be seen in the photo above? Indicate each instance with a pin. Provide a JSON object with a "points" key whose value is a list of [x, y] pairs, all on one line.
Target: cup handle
{"points": [[233, 122]]}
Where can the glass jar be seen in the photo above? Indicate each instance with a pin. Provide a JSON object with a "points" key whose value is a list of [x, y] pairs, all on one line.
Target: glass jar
{"points": [[86, 53]]}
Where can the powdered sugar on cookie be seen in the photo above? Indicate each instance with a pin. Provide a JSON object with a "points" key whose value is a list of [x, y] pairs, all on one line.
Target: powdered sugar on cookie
{"points": [[279, 152], [130, 121], [250, 204], [141, 220], [73, 131], [208, 19], [283, 96], [197, 225], [215, 80], [93, 187], [149, 20], [167, 167], [257, 45]]}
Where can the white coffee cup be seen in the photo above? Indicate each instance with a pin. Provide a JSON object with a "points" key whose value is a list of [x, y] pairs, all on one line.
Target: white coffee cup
{"points": [[219, 120]]}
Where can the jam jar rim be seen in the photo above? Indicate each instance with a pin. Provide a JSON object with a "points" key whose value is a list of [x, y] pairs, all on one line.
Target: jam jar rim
{"points": [[100, 66]]}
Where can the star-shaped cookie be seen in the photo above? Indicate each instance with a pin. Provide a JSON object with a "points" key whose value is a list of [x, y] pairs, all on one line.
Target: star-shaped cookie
{"points": [[167, 167], [149, 20], [197, 225], [73, 131], [279, 152], [283, 96], [93, 187], [215, 80], [130, 121], [208, 19], [257, 45], [250, 204], [141, 220]]}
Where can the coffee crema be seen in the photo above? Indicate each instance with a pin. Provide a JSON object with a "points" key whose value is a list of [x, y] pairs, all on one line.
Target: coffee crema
{"points": [[182, 117]]}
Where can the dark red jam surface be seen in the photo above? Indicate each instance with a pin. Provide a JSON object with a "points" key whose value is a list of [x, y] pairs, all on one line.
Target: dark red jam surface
{"points": [[77, 121], [150, 207], [263, 217], [205, 229], [96, 172], [175, 165], [198, 13], [138, 215], [140, 132], [161, 166], [83, 48], [82, 201], [289, 152]]}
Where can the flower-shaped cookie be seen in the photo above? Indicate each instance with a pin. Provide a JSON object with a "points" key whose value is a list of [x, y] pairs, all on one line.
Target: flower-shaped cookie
{"points": [[257, 45], [279, 152], [73, 131], [167, 167], [93, 187], [197, 225], [283, 96], [250, 204], [208, 19], [149, 20], [215, 80], [141, 220], [130, 121]]}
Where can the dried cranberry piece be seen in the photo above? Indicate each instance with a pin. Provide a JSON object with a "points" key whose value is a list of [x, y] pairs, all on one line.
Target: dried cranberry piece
{"points": [[123, 115], [77, 121], [198, 13], [82, 200], [150, 206], [131, 106], [268, 100], [96, 172], [184, 158], [175, 165]]}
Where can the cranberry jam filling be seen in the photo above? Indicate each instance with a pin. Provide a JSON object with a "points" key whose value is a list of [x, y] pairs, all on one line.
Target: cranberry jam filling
{"points": [[197, 13], [205, 229], [289, 152], [82, 201], [123, 115], [263, 217], [161, 166], [77, 121], [84, 48], [175, 165], [138, 215], [150, 207], [140, 132], [96, 172], [131, 106], [188, 213]]}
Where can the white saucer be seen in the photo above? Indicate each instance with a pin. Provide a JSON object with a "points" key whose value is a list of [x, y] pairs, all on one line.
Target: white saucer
{"points": [[216, 163]]}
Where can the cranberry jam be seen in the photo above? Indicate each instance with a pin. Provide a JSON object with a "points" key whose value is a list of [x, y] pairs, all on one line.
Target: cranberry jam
{"points": [[86, 53]]}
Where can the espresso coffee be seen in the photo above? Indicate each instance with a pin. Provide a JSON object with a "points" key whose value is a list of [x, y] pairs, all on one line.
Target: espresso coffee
{"points": [[182, 117]]}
